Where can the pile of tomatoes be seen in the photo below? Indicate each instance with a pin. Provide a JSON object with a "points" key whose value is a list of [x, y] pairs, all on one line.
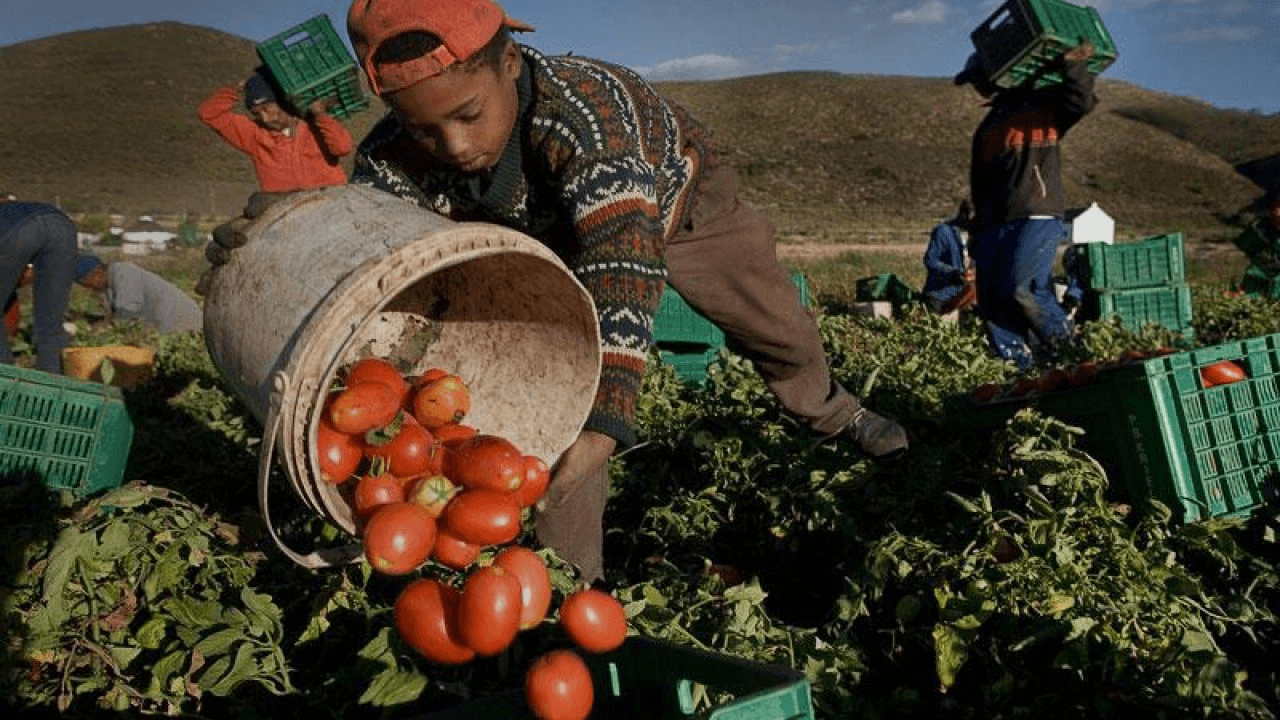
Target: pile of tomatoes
{"points": [[1061, 378], [430, 492]]}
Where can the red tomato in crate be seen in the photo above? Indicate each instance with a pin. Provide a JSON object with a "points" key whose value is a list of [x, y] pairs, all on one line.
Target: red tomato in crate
{"points": [[337, 454], [486, 462], [594, 620], [373, 491], [558, 686], [1086, 373], [432, 492], [412, 450], [489, 611], [452, 551], [442, 401], [483, 517], [536, 478], [363, 407], [1222, 373], [535, 582], [426, 616], [379, 370], [1053, 380], [398, 538], [985, 392]]}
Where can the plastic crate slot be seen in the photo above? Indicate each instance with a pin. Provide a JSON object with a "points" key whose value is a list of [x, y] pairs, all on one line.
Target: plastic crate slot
{"points": [[1200, 439], [1216, 404], [1229, 457], [71, 444], [1269, 418]]}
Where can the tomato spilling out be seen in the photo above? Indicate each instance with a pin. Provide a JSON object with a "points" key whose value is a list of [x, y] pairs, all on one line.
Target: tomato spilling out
{"points": [[363, 406], [432, 492], [557, 686], [337, 454], [441, 401], [487, 462], [535, 583], [489, 612], [398, 538], [452, 551], [594, 620], [411, 450], [374, 490], [426, 616], [483, 517], [377, 369], [536, 478]]}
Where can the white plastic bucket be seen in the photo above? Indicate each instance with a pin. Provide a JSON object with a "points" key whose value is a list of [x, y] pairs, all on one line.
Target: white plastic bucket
{"points": [[332, 275]]}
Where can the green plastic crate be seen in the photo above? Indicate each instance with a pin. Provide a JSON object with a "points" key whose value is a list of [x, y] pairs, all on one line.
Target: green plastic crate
{"points": [[1168, 307], [1258, 282], [885, 286], [690, 365], [309, 63], [649, 679], [677, 323], [1203, 452], [1021, 37], [1149, 262], [72, 435]]}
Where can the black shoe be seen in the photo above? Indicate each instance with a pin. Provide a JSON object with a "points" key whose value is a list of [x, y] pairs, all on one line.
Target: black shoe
{"points": [[877, 436]]}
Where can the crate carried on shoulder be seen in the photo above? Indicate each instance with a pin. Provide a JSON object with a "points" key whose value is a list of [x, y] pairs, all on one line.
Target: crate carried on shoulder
{"points": [[1197, 430], [309, 62], [1019, 42]]}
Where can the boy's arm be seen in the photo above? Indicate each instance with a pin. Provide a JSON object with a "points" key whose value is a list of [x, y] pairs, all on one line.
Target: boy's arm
{"points": [[614, 209], [1075, 95], [216, 112]]}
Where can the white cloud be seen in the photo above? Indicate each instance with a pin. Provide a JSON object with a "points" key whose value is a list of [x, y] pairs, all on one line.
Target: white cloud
{"points": [[932, 12], [708, 66], [1218, 33]]}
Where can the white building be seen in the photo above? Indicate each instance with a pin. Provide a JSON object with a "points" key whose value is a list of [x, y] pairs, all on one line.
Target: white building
{"points": [[1091, 224]]}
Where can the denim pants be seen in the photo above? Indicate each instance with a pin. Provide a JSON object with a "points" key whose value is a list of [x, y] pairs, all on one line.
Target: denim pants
{"points": [[1014, 264], [48, 241]]}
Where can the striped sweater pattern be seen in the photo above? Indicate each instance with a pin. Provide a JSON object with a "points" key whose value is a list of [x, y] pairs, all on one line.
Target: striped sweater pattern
{"points": [[602, 170]]}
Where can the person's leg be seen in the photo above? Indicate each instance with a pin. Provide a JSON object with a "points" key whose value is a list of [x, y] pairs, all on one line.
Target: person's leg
{"points": [[575, 526], [998, 305], [1035, 253], [724, 264], [14, 256], [55, 264]]}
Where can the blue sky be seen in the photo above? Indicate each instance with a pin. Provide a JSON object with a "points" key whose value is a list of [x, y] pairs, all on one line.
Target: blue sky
{"points": [[1224, 52]]}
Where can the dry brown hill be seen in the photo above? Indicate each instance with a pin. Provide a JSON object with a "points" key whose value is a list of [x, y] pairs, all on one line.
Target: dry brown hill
{"points": [[105, 120]]}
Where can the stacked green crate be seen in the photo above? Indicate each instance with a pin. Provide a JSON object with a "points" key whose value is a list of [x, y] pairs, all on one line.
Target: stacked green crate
{"points": [[1143, 281], [1020, 40], [1262, 277], [687, 340], [1204, 452], [310, 63]]}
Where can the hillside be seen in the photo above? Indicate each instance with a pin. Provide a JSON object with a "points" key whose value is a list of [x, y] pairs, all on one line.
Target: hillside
{"points": [[104, 120]]}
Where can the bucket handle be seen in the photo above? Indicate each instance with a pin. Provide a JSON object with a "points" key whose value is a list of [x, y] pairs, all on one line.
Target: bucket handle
{"points": [[327, 557]]}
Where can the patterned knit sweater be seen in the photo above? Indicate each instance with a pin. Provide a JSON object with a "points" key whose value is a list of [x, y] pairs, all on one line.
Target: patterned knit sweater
{"points": [[602, 170]]}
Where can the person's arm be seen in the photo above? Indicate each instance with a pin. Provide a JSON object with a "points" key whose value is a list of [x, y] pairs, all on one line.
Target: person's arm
{"points": [[1075, 97], [334, 138], [216, 112], [944, 257]]}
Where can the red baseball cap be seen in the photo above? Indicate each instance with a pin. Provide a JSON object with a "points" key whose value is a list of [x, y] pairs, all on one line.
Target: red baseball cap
{"points": [[463, 26]]}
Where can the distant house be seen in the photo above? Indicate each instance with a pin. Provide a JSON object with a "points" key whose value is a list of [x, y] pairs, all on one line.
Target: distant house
{"points": [[145, 236], [85, 239], [1090, 224]]}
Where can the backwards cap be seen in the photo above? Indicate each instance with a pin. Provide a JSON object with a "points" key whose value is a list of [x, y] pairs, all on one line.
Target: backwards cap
{"points": [[463, 26]]}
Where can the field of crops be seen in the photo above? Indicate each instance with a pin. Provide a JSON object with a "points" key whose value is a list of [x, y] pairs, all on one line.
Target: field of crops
{"points": [[993, 573]]}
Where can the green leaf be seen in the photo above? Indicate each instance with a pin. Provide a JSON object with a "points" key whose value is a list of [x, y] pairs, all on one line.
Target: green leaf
{"points": [[394, 687], [1199, 641], [950, 653], [219, 643], [244, 668], [124, 497], [151, 634]]}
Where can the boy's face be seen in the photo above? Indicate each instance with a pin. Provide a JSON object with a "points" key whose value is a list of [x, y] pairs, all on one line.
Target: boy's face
{"points": [[463, 117]]}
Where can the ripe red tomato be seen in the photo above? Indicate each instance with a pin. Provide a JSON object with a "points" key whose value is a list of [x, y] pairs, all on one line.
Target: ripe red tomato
{"points": [[337, 454], [13, 317], [558, 686], [535, 582], [410, 451], [442, 401], [1083, 374], [486, 461], [594, 620], [379, 370], [432, 492], [363, 407], [452, 434], [373, 491], [536, 478], [1222, 373], [985, 392], [431, 375], [1024, 386], [1055, 379], [483, 517], [489, 612], [398, 538], [452, 551], [426, 616]]}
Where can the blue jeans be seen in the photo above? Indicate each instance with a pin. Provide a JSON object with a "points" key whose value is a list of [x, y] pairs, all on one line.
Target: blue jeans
{"points": [[1014, 264], [48, 241]]}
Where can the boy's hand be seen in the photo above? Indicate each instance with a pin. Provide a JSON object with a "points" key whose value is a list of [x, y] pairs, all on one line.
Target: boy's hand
{"points": [[1083, 51], [584, 459]]}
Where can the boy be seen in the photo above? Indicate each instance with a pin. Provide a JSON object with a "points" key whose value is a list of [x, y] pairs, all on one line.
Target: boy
{"points": [[624, 185], [1016, 184], [948, 283], [287, 153]]}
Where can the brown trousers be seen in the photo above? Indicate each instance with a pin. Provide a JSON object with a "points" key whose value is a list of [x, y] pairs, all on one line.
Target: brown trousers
{"points": [[724, 263]]}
